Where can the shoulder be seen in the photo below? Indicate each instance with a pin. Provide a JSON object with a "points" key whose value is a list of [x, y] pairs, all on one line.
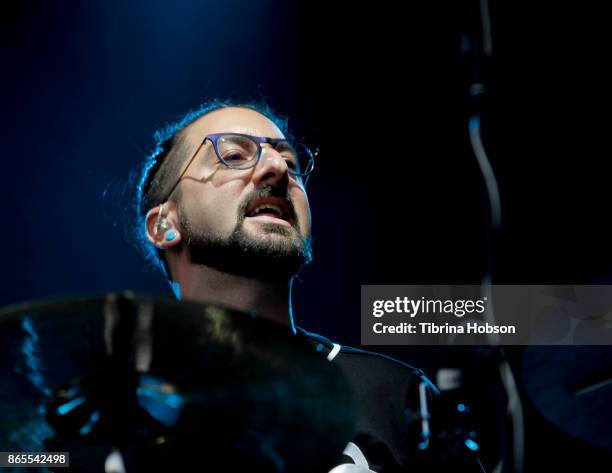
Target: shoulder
{"points": [[368, 366], [389, 394]]}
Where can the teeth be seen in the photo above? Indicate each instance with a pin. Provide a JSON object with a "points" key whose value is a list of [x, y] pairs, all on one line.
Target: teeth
{"points": [[256, 210]]}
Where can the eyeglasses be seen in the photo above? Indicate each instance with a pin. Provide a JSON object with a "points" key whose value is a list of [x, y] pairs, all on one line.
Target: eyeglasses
{"points": [[239, 151]]}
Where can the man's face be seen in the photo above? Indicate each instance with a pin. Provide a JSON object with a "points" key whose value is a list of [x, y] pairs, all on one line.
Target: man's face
{"points": [[219, 208]]}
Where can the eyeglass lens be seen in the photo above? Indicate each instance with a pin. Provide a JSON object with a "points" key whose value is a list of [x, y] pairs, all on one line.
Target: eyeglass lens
{"points": [[240, 152]]}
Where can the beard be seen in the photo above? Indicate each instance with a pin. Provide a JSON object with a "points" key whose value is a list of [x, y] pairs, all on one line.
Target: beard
{"points": [[275, 254]]}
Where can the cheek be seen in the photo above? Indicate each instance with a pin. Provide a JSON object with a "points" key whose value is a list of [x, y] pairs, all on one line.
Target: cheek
{"points": [[224, 210], [214, 208], [302, 209]]}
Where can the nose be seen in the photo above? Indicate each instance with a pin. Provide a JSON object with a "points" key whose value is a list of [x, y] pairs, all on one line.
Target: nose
{"points": [[271, 168]]}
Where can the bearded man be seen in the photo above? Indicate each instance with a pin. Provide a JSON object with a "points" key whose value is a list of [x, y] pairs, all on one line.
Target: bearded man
{"points": [[225, 215]]}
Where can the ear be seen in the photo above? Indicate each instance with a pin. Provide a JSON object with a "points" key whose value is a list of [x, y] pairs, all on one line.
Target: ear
{"points": [[161, 226]]}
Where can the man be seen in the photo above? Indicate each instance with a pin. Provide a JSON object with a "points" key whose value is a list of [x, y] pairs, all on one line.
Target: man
{"points": [[226, 216]]}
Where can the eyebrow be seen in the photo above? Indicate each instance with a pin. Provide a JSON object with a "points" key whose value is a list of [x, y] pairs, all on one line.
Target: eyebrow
{"points": [[247, 132], [252, 133]]}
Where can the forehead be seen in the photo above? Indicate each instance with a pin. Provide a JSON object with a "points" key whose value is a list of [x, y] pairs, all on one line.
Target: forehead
{"points": [[234, 120]]}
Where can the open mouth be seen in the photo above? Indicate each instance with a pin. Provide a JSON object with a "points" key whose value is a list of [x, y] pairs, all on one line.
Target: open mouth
{"points": [[273, 208]]}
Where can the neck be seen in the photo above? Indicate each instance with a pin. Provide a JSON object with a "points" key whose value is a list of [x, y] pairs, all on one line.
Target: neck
{"points": [[269, 300]]}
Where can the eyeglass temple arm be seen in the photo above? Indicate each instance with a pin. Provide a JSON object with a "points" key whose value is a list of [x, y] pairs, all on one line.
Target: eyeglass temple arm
{"points": [[184, 170]]}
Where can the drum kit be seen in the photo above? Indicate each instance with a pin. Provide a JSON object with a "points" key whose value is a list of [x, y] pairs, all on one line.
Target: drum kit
{"points": [[126, 383]]}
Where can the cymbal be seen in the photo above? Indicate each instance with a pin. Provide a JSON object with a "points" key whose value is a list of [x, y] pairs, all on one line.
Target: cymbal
{"points": [[571, 386], [169, 384]]}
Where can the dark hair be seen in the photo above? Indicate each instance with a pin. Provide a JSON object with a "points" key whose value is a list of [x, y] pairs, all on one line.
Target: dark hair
{"points": [[162, 165]]}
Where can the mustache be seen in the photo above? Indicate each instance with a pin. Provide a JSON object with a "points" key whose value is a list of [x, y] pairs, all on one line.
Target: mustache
{"points": [[266, 190]]}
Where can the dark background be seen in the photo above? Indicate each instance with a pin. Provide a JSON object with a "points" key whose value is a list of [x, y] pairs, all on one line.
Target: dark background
{"points": [[397, 197]]}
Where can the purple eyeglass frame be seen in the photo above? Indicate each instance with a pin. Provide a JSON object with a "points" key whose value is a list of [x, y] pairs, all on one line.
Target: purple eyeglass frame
{"points": [[258, 140]]}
